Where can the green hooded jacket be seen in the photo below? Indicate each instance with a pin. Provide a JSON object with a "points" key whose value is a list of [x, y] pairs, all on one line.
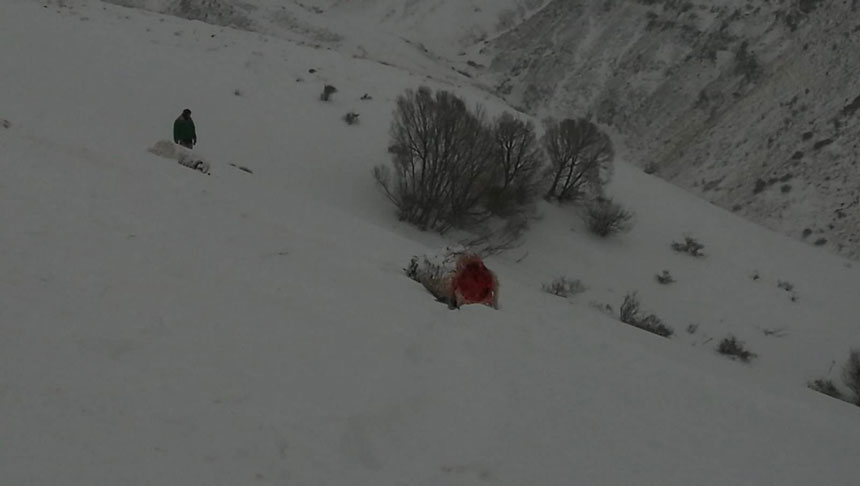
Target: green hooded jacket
{"points": [[183, 130]]}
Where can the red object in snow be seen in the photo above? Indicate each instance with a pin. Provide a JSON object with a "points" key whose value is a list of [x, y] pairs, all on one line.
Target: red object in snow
{"points": [[473, 283]]}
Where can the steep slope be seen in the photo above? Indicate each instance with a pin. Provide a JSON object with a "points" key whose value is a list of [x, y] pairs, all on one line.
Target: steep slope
{"points": [[160, 326], [752, 105], [417, 36]]}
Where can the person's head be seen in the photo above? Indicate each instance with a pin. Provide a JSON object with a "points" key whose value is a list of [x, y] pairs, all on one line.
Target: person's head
{"points": [[186, 113]]}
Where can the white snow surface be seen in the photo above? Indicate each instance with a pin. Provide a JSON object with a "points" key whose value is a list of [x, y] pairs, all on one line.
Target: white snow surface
{"points": [[162, 326]]}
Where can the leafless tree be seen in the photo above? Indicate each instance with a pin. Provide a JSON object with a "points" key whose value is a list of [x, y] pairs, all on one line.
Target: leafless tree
{"points": [[519, 160], [443, 160], [580, 157]]}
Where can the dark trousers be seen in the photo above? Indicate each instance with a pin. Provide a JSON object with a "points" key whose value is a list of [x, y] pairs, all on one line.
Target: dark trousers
{"points": [[186, 143]]}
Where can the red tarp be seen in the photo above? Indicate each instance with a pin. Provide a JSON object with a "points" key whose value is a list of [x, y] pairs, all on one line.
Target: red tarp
{"points": [[473, 283]]}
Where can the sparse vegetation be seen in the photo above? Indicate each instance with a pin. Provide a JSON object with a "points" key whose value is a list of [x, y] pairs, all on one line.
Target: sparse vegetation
{"points": [[564, 287], [351, 118], [651, 168], [826, 387], [630, 314], [665, 277], [690, 246], [602, 307], [328, 90], [604, 217], [730, 346], [850, 377], [785, 285]]}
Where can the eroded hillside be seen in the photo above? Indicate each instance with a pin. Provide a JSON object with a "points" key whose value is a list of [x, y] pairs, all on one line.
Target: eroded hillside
{"points": [[753, 105]]}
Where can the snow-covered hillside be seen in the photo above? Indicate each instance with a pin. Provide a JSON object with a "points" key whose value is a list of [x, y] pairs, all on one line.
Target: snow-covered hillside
{"points": [[413, 35], [752, 105], [161, 326]]}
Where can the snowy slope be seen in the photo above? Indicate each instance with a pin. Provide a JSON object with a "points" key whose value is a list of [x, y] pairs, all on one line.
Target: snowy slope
{"points": [[160, 326], [412, 35], [752, 105]]}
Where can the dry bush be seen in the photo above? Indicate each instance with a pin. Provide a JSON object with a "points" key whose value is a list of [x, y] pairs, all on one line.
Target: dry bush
{"points": [[630, 314], [665, 278], [826, 387], [351, 118], [604, 217], [730, 346], [564, 287], [452, 170], [690, 246], [328, 90]]}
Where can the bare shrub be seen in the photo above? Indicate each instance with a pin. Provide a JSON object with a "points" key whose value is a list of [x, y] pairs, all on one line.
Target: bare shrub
{"points": [[351, 118], [443, 159], [690, 246], [665, 277], [851, 374], [731, 347], [564, 287], [580, 157], [604, 217], [630, 314], [519, 160], [328, 90], [651, 168], [629, 308], [826, 387], [446, 163], [215, 12], [602, 307]]}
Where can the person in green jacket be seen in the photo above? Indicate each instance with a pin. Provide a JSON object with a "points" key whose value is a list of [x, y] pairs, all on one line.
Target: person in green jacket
{"points": [[184, 132]]}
